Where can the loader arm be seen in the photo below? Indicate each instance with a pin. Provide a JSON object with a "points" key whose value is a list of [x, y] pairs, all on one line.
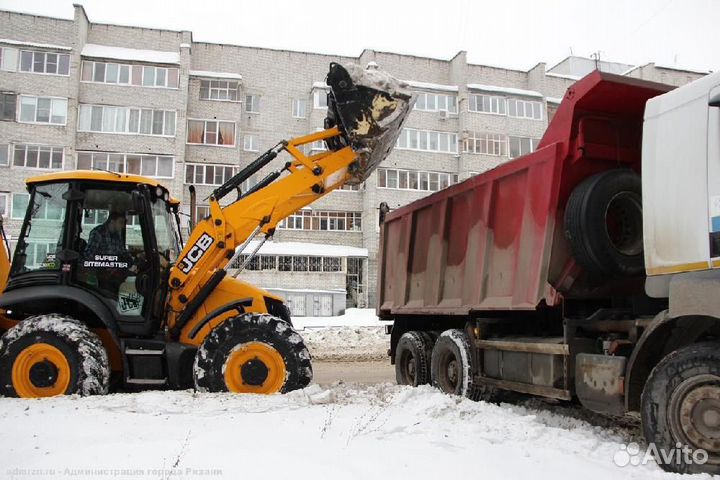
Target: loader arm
{"points": [[365, 115]]}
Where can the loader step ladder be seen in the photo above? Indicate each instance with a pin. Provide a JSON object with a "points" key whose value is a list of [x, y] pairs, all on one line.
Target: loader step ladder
{"points": [[144, 362]]}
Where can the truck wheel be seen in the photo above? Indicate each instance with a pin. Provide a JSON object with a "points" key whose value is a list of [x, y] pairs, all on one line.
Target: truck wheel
{"points": [[252, 353], [50, 355], [603, 223], [680, 405], [450, 367], [412, 358]]}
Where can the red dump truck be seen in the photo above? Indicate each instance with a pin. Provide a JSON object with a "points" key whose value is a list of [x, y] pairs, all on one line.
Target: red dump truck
{"points": [[587, 271]]}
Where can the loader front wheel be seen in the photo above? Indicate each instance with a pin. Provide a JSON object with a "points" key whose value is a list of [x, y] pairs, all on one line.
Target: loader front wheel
{"points": [[51, 355], [252, 353]]}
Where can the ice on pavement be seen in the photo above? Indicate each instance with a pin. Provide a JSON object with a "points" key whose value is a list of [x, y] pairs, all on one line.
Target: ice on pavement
{"points": [[344, 431]]}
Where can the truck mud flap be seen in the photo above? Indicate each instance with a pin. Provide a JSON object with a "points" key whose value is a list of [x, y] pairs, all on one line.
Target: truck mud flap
{"points": [[369, 107], [599, 382]]}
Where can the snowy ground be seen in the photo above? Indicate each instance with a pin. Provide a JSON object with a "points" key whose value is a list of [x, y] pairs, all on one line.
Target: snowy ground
{"points": [[356, 336], [345, 431]]}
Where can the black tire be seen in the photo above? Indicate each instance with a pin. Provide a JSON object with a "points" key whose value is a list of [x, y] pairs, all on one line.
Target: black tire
{"points": [[271, 338], [603, 223], [412, 358], [681, 404], [41, 354], [450, 365]]}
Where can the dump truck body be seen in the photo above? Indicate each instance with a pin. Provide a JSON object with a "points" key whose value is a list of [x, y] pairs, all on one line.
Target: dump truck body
{"points": [[496, 240]]}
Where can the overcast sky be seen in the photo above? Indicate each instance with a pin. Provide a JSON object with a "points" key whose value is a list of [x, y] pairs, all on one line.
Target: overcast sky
{"points": [[509, 33]]}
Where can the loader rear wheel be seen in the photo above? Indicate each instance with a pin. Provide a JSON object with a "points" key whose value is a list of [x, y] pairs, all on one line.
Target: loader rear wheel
{"points": [[51, 355], [450, 366], [604, 225], [412, 358], [680, 409], [252, 353]]}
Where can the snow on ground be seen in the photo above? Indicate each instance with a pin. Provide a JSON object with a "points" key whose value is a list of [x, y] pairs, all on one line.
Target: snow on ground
{"points": [[356, 336], [344, 431]]}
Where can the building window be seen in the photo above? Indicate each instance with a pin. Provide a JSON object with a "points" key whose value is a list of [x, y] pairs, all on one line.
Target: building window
{"points": [[398, 179], [19, 205], [4, 198], [487, 104], [8, 59], [252, 103], [525, 109], [323, 220], [519, 146], [299, 108], [221, 90], [157, 166], [291, 263], [45, 62], [250, 143], [320, 98], [204, 174], [436, 102], [4, 155], [34, 156], [43, 110], [352, 188], [201, 212], [428, 141], [138, 121], [485, 143], [211, 132], [8, 105], [124, 74]]}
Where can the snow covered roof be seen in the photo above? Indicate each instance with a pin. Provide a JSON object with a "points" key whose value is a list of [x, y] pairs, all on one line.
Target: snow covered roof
{"points": [[302, 248], [208, 74], [554, 100], [33, 44], [506, 90], [122, 53], [305, 290], [320, 85], [680, 68], [562, 75], [432, 86]]}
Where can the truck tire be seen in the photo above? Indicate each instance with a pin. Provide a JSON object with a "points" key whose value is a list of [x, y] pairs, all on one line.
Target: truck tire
{"points": [[252, 353], [412, 358], [49, 355], [450, 367], [680, 404], [603, 223]]}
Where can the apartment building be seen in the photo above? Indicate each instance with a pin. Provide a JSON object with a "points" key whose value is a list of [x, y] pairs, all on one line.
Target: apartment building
{"points": [[78, 94]]}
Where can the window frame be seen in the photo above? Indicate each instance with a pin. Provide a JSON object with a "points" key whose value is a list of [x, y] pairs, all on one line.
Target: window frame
{"points": [[414, 177], [37, 98], [52, 148], [255, 103], [217, 132], [253, 144], [125, 156], [437, 103], [486, 138], [45, 63], [317, 104], [300, 220], [15, 114], [296, 110], [128, 116], [526, 103], [406, 134], [130, 67], [228, 89], [501, 100], [233, 171]]}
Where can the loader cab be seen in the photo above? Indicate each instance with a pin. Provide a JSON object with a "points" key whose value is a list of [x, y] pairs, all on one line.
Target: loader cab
{"points": [[113, 236]]}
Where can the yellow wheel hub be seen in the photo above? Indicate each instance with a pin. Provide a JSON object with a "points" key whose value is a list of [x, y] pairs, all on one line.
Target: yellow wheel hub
{"points": [[40, 370], [255, 367]]}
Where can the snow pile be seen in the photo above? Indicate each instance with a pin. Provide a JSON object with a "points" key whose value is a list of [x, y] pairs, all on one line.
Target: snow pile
{"points": [[353, 317], [347, 344], [346, 431]]}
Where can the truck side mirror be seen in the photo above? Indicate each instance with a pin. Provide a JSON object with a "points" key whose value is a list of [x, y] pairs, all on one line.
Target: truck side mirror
{"points": [[715, 100]]}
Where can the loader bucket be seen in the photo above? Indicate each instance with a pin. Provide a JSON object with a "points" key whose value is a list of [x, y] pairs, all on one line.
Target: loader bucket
{"points": [[369, 107]]}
